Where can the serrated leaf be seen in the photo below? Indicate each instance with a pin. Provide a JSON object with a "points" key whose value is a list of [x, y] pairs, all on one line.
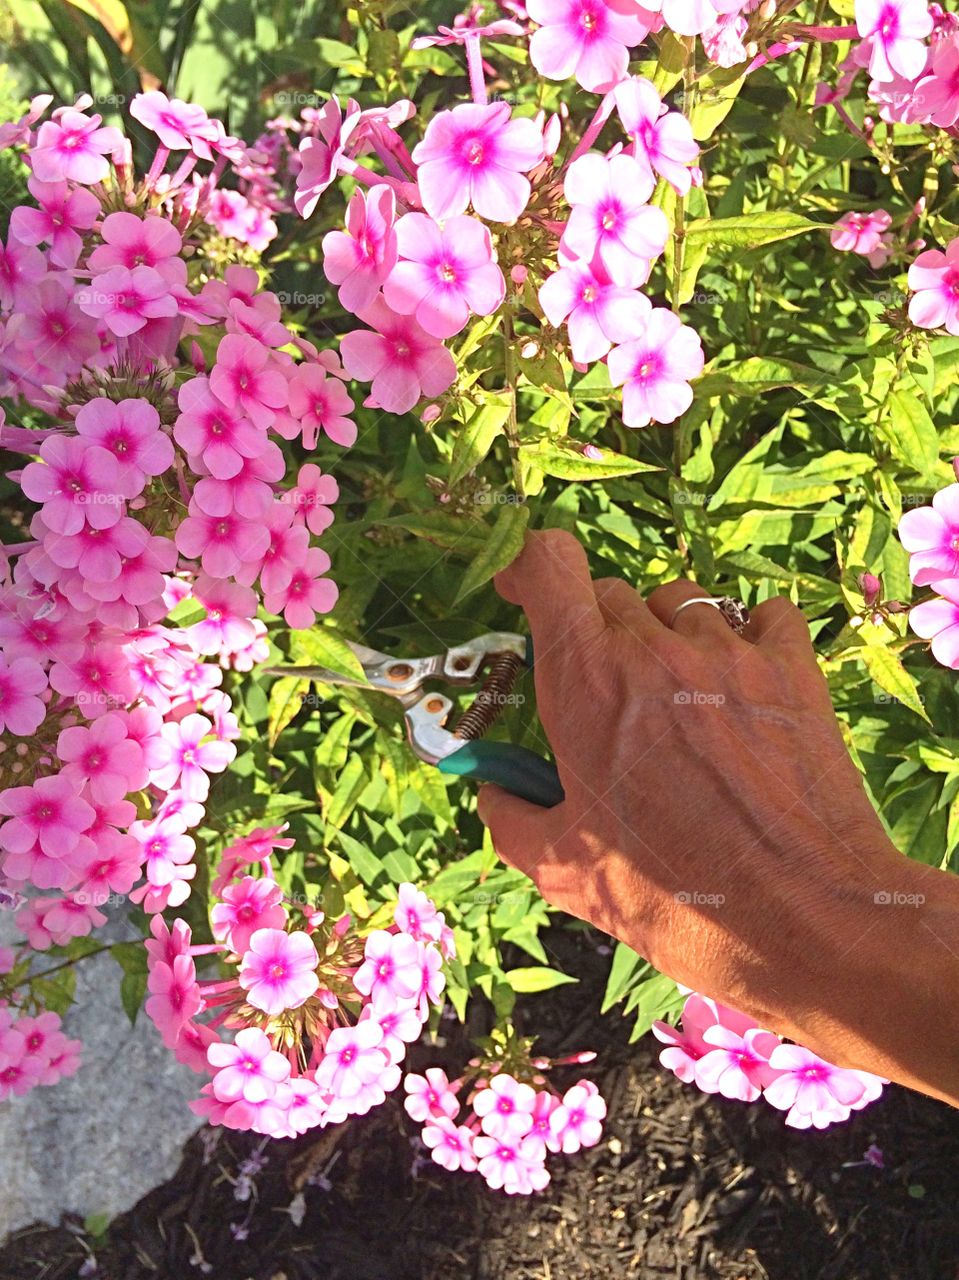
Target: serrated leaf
{"points": [[503, 544]]}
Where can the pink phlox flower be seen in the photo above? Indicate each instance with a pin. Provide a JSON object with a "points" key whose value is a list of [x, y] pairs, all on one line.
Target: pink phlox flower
{"points": [[49, 813], [611, 216], [165, 847], [103, 758], [597, 312], [278, 970], [131, 241], [77, 483], [74, 147], [429, 1096], [64, 212], [931, 536], [654, 367], [166, 943], [130, 430], [180, 126], [445, 273], [463, 34], [588, 39], [737, 1066], [320, 402], [125, 299], [477, 155], [450, 1145], [22, 680], [937, 620], [247, 906], [221, 543], [661, 140], [360, 258], [303, 592], [416, 915], [250, 1068], [21, 268], [390, 972], [312, 497], [244, 377], [937, 91], [893, 32], [509, 1164], [174, 996], [578, 1120], [723, 42], [353, 1059], [432, 979], [191, 756], [934, 280], [815, 1093], [229, 608], [860, 232], [505, 1107], [401, 360]]}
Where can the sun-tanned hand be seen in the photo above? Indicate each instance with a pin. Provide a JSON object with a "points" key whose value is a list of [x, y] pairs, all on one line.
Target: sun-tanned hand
{"points": [[715, 822]]}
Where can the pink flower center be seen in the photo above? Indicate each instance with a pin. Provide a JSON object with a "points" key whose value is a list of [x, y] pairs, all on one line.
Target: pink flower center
{"points": [[277, 971], [446, 273], [590, 294], [475, 152]]}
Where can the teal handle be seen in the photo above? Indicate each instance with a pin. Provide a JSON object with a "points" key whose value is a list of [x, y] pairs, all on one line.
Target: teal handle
{"points": [[515, 769]]}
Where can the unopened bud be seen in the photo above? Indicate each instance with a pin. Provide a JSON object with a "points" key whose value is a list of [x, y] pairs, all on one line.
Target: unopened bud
{"points": [[871, 588], [518, 273], [767, 10], [590, 451], [529, 350], [430, 413]]}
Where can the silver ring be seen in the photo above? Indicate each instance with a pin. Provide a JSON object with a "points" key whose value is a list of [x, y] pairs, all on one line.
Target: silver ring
{"points": [[734, 611]]}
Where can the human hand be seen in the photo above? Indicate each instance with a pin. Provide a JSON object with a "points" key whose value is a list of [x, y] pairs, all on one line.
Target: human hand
{"points": [[713, 818]]}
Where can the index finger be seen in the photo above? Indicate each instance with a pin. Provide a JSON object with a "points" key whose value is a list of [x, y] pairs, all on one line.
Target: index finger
{"points": [[550, 581]]}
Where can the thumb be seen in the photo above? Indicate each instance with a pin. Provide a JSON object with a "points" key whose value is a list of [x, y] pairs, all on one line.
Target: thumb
{"points": [[520, 830]]}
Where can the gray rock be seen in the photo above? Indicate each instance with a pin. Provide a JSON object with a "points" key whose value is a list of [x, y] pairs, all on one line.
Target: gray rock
{"points": [[97, 1142]]}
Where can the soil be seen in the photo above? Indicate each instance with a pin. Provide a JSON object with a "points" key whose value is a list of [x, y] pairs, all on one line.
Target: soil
{"points": [[682, 1187]]}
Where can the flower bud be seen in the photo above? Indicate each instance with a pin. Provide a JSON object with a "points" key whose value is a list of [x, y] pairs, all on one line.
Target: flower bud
{"points": [[871, 588]]}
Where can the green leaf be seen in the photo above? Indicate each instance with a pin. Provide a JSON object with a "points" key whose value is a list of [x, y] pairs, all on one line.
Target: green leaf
{"points": [[565, 460], [475, 439], [321, 646], [751, 230], [349, 787], [626, 967], [910, 432], [503, 545], [758, 374], [527, 981], [286, 701], [887, 671]]}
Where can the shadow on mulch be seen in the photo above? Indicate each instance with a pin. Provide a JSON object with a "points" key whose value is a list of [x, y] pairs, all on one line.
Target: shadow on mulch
{"points": [[683, 1187]]}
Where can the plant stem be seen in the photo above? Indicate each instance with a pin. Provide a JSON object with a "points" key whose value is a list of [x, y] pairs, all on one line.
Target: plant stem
{"points": [[64, 964], [512, 423]]}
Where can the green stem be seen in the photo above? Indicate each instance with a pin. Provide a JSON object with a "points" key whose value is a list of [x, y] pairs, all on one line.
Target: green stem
{"points": [[64, 964], [512, 422]]}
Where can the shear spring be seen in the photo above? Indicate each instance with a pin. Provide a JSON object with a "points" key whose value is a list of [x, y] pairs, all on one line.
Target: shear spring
{"points": [[491, 698]]}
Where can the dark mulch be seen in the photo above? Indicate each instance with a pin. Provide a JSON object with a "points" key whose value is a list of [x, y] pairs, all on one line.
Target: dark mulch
{"points": [[683, 1187]]}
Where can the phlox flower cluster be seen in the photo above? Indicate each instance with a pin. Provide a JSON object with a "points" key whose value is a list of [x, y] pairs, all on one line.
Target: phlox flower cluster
{"points": [[723, 1051], [162, 515], [504, 1123], [320, 1015], [33, 1048], [426, 241]]}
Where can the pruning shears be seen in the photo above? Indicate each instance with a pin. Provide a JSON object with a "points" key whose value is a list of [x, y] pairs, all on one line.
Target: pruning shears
{"points": [[493, 662]]}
